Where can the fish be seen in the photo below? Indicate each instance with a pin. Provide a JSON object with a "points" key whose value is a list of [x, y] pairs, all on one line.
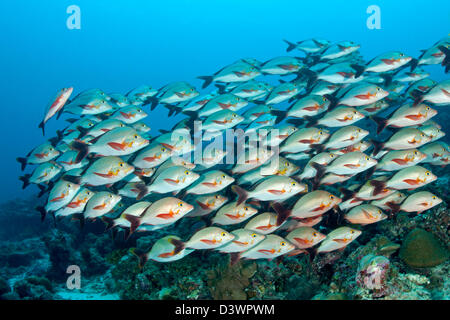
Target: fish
{"points": [[117, 142], [406, 116], [365, 214], [396, 160], [308, 46], [387, 62], [243, 240], [152, 156], [44, 173], [312, 204], [264, 223], [417, 202], [408, 178], [385, 202], [206, 238], [77, 204], [338, 239], [100, 204], [56, 106], [164, 211], [305, 237], [281, 66], [233, 213], [206, 204], [164, 251], [276, 188], [303, 139], [210, 182], [60, 195], [173, 179], [106, 171], [227, 101], [362, 94], [239, 71], [270, 248], [41, 154]]}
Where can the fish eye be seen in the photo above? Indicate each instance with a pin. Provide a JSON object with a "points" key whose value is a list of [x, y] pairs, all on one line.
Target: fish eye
{"points": [[246, 208], [192, 89], [282, 243], [434, 197], [180, 204], [253, 235], [401, 54], [416, 153], [352, 231], [293, 184], [331, 155], [163, 150], [135, 136], [217, 196], [378, 89], [314, 234], [367, 158], [111, 196], [186, 172], [223, 234], [428, 173], [359, 130], [422, 134], [320, 132], [235, 115], [68, 185], [331, 197], [355, 112], [427, 108], [90, 124], [223, 176], [121, 164]]}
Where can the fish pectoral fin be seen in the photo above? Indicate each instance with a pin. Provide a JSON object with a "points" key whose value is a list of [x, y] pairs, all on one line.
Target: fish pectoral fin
{"points": [[240, 243], [411, 182], [207, 241], [209, 184], [340, 240], [116, 146], [276, 192], [400, 161], [351, 166], [231, 216], [172, 181]]}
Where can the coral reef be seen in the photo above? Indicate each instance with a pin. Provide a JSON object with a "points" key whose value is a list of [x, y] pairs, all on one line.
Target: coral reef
{"points": [[420, 249]]}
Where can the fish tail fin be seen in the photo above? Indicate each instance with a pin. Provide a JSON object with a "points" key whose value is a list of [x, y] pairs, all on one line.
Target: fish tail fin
{"points": [[347, 193], [387, 79], [242, 194], [377, 146], [311, 121], [446, 61], [291, 45], [143, 257], [282, 213], [44, 190], [173, 110], [83, 132], [234, 258], [109, 223], [359, 70], [26, 180], [179, 245], [80, 218], [142, 190], [296, 121], [413, 63], [23, 162], [417, 95], [221, 88], [82, 148], [73, 179], [42, 126], [207, 79], [311, 77], [370, 172], [378, 186], [333, 101], [394, 207], [280, 114], [42, 211], [318, 147], [381, 123], [135, 222], [321, 169], [191, 114]]}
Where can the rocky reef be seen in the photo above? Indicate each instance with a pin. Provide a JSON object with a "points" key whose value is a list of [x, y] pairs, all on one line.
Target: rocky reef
{"points": [[401, 258]]}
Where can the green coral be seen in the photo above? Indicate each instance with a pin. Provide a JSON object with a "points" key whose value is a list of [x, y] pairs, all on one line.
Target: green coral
{"points": [[421, 249]]}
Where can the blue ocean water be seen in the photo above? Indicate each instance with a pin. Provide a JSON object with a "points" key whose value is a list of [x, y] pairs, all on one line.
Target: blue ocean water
{"points": [[125, 44]]}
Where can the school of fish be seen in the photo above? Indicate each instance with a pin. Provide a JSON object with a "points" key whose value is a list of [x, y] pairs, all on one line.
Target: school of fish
{"points": [[307, 161]]}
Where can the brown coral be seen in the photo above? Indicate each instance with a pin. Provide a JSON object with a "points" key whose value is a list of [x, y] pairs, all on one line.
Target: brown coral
{"points": [[230, 282]]}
